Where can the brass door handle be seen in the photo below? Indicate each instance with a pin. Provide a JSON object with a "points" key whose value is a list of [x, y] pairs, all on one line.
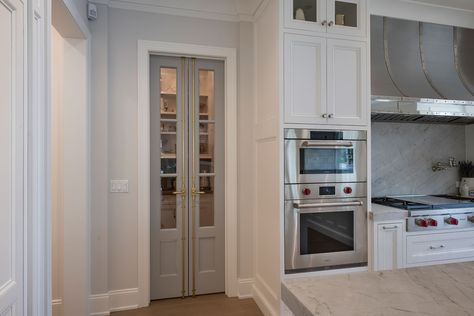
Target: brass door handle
{"points": [[195, 192], [179, 192]]}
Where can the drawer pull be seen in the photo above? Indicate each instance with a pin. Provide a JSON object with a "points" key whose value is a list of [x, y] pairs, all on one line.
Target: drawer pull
{"points": [[390, 227], [434, 247]]}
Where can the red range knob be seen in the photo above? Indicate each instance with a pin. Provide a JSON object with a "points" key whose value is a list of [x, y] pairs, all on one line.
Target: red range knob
{"points": [[347, 190], [421, 222], [433, 222], [306, 191], [451, 221]]}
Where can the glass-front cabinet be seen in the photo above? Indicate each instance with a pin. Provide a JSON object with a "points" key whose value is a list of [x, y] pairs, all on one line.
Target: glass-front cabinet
{"points": [[345, 17]]}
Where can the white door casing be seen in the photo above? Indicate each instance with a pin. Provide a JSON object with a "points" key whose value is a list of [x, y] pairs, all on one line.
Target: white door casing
{"points": [[145, 48], [12, 162]]}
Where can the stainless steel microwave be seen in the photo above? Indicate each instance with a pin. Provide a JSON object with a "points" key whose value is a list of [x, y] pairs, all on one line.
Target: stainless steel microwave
{"points": [[315, 156]]}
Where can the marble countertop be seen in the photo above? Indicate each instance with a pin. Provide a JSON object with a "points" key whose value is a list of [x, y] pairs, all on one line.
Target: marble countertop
{"points": [[385, 213], [433, 290]]}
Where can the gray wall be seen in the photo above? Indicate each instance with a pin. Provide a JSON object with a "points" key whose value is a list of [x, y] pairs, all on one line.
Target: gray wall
{"points": [[402, 156], [114, 133]]}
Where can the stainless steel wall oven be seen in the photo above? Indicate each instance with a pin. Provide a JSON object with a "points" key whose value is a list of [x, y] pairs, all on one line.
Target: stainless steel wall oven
{"points": [[325, 199]]}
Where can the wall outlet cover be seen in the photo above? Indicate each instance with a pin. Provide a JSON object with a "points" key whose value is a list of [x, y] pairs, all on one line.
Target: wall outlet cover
{"points": [[119, 186]]}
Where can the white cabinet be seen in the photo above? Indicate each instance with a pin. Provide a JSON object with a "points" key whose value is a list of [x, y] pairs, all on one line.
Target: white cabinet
{"points": [[305, 79], [388, 245], [346, 82], [439, 248], [344, 17], [325, 80]]}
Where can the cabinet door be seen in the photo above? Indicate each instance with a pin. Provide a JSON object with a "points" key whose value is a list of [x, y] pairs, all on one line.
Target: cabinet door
{"points": [[388, 246], [305, 79], [347, 17], [346, 79], [307, 15]]}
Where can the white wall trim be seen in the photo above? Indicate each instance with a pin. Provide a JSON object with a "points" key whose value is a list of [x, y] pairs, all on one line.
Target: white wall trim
{"points": [[155, 7], [113, 301], [57, 306], [263, 295], [145, 48], [246, 288]]}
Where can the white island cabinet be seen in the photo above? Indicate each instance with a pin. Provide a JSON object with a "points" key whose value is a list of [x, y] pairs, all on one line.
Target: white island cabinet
{"points": [[388, 245], [325, 80]]}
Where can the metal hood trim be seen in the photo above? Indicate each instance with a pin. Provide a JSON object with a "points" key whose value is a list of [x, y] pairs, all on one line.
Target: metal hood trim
{"points": [[422, 110]]}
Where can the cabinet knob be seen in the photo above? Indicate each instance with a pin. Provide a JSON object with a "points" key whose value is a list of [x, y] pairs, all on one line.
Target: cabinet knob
{"points": [[331, 115], [330, 23], [324, 115], [324, 22]]}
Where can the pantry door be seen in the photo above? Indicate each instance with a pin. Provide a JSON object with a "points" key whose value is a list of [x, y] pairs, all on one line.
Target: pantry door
{"points": [[187, 176]]}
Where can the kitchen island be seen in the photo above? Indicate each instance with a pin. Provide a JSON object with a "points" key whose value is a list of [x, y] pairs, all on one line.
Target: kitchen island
{"points": [[432, 290]]}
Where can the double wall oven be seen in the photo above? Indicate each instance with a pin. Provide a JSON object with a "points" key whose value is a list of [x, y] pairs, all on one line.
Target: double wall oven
{"points": [[325, 199]]}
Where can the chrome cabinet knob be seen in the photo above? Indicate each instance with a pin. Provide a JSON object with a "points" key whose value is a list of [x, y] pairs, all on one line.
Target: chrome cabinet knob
{"points": [[324, 115], [330, 23], [331, 115], [324, 22]]}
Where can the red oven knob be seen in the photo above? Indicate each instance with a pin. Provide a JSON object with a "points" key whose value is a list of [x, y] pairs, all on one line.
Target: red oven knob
{"points": [[347, 190], [433, 222], [306, 191], [421, 222], [451, 221]]}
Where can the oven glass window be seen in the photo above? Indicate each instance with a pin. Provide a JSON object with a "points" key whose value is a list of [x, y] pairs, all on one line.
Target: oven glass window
{"points": [[326, 160], [326, 232]]}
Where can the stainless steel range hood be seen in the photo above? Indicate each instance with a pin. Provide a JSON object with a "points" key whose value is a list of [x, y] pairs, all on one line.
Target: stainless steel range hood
{"points": [[421, 72]]}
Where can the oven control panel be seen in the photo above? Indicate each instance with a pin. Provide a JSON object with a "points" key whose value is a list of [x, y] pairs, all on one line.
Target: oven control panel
{"points": [[440, 222], [325, 191]]}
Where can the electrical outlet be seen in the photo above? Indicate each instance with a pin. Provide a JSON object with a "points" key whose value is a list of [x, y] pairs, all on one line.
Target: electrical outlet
{"points": [[119, 186]]}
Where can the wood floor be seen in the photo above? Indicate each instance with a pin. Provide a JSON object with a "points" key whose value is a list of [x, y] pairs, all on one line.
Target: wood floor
{"points": [[204, 305]]}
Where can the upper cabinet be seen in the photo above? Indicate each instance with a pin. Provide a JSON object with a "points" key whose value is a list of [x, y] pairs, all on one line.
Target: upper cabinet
{"points": [[325, 81], [344, 17]]}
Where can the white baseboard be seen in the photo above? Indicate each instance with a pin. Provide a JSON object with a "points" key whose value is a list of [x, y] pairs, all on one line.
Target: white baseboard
{"points": [[267, 300], [117, 300], [246, 288], [57, 307], [99, 304]]}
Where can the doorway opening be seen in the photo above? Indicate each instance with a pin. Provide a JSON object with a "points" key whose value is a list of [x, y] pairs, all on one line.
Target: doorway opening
{"points": [[187, 183]]}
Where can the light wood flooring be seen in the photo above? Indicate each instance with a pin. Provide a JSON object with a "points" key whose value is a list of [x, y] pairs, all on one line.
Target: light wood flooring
{"points": [[203, 305]]}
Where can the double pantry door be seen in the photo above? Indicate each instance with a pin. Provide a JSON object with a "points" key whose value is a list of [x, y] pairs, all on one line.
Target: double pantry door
{"points": [[187, 176]]}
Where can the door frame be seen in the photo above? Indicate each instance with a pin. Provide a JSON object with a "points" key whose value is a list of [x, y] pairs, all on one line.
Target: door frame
{"points": [[229, 56]]}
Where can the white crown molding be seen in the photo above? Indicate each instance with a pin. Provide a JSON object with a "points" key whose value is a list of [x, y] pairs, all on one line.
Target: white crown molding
{"points": [[187, 12]]}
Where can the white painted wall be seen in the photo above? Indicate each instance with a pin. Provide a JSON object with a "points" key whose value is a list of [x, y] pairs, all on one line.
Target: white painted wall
{"points": [[99, 152], [57, 206], [115, 143], [267, 217], [70, 176]]}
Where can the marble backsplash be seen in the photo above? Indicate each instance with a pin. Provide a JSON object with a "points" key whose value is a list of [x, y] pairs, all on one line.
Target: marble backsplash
{"points": [[403, 154]]}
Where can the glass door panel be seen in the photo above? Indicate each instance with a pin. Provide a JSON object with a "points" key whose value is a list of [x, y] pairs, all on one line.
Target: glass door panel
{"points": [[206, 203], [305, 10], [347, 17], [307, 15], [168, 202], [345, 14]]}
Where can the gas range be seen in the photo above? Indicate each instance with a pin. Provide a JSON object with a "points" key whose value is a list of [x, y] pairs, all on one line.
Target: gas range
{"points": [[433, 212]]}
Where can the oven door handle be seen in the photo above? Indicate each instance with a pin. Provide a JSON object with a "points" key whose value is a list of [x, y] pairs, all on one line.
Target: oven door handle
{"points": [[327, 204], [308, 143]]}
